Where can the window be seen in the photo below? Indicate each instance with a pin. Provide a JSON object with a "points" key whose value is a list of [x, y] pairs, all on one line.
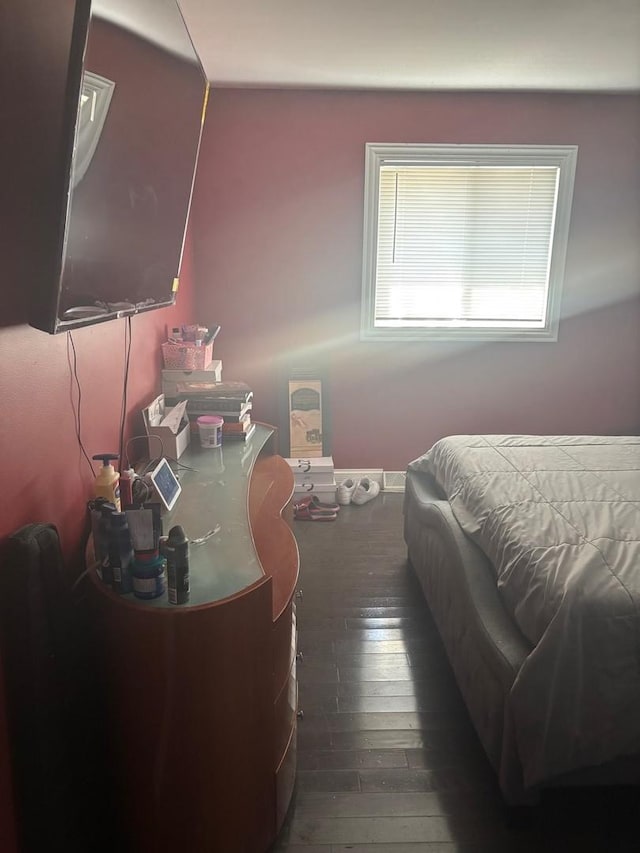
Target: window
{"points": [[465, 242]]}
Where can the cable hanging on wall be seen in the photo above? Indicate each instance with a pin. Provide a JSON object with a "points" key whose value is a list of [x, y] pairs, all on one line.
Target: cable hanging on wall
{"points": [[125, 388], [76, 403]]}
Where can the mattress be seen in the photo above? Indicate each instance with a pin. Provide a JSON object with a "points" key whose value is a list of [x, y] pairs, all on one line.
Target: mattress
{"points": [[559, 519]]}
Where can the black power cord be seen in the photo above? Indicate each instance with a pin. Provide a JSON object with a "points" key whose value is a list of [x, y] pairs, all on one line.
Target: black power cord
{"points": [[125, 388], [76, 404]]}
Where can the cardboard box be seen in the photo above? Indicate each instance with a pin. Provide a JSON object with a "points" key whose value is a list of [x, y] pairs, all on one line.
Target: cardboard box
{"points": [[171, 378], [324, 491], [313, 476], [312, 470], [170, 425]]}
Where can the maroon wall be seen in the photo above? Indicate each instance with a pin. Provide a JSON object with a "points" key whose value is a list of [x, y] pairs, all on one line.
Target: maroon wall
{"points": [[278, 255], [50, 480], [45, 477]]}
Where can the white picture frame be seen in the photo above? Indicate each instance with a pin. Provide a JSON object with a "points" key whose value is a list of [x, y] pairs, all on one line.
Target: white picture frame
{"points": [[166, 484]]}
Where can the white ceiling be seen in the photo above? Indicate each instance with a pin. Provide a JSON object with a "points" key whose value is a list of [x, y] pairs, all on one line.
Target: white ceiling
{"points": [[547, 45]]}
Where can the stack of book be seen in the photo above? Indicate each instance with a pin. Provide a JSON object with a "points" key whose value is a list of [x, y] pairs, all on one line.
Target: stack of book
{"points": [[172, 378], [231, 400], [313, 476]]}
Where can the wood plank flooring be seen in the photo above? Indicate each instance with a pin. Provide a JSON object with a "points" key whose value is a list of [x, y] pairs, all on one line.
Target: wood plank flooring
{"points": [[388, 761]]}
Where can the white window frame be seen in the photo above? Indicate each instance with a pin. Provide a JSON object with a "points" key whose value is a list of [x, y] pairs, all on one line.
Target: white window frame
{"points": [[377, 155]]}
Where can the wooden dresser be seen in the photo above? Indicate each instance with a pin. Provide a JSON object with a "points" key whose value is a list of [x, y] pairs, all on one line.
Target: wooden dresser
{"points": [[202, 697]]}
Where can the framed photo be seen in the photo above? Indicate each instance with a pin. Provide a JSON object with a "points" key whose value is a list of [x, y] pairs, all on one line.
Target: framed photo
{"points": [[166, 484]]}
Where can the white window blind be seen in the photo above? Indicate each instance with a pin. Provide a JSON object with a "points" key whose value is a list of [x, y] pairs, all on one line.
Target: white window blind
{"points": [[466, 244]]}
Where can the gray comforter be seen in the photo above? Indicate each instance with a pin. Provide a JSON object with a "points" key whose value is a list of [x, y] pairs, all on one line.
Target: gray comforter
{"points": [[559, 518]]}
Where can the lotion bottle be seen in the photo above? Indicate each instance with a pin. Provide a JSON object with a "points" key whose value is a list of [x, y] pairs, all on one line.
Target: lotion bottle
{"points": [[107, 484], [126, 486]]}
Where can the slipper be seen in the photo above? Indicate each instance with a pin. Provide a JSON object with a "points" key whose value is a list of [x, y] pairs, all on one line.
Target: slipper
{"points": [[309, 513], [308, 510], [315, 503]]}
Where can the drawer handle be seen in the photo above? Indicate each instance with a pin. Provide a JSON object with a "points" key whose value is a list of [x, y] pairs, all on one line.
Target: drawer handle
{"points": [[300, 714], [299, 593], [299, 656]]}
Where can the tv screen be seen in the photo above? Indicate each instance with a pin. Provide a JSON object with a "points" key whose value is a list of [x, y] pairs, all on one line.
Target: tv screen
{"points": [[136, 97]]}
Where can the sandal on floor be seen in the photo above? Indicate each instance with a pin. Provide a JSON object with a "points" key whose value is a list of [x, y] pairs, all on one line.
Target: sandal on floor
{"points": [[310, 513], [314, 502]]}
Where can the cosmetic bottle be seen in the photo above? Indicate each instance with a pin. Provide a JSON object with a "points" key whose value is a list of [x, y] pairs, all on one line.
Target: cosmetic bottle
{"points": [[176, 549], [126, 486], [120, 553], [99, 511], [149, 577], [107, 483]]}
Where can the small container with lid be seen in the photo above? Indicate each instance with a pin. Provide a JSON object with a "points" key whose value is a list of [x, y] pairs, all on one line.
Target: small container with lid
{"points": [[149, 577], [210, 430]]}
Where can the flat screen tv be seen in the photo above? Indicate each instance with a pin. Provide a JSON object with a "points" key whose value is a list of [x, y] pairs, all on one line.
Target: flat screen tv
{"points": [[136, 97]]}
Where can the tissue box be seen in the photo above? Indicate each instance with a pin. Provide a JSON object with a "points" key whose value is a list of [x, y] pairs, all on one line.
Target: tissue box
{"points": [[170, 425]]}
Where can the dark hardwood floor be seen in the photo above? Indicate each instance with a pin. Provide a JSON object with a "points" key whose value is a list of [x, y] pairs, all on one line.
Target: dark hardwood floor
{"points": [[388, 761]]}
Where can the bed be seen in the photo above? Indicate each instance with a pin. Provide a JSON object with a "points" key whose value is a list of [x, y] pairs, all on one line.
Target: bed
{"points": [[528, 552]]}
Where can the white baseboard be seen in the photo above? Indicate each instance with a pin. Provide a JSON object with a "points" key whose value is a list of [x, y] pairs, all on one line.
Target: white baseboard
{"points": [[389, 481], [353, 474], [394, 481]]}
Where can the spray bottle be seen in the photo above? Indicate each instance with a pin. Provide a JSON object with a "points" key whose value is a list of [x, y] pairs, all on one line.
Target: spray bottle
{"points": [[176, 549], [107, 484], [120, 553], [99, 511]]}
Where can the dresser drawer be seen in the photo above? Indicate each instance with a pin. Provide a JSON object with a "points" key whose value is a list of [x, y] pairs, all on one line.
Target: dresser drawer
{"points": [[285, 779], [284, 646], [286, 706]]}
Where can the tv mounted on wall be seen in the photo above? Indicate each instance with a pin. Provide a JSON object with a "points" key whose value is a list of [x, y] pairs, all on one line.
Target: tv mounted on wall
{"points": [[136, 96]]}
